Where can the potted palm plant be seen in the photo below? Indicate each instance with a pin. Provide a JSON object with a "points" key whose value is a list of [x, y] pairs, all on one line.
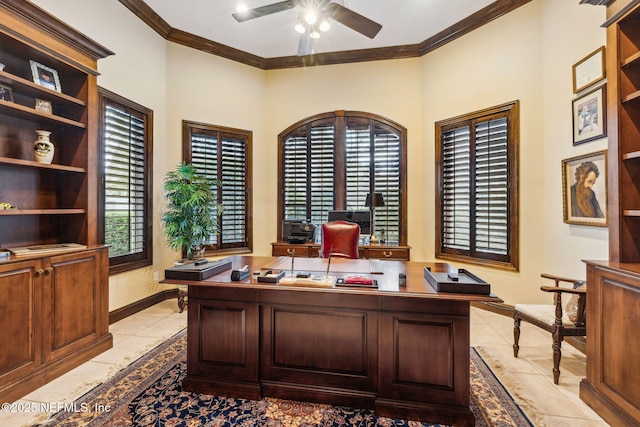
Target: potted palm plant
{"points": [[191, 215]]}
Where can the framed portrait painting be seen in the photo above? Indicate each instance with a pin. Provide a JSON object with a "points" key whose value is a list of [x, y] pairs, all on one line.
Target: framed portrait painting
{"points": [[45, 76], [584, 189], [589, 116]]}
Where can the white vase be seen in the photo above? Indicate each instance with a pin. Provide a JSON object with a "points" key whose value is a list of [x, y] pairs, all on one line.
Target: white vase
{"points": [[43, 148]]}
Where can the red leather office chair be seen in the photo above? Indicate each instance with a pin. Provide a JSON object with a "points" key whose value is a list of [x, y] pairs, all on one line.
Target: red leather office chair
{"points": [[340, 238]]}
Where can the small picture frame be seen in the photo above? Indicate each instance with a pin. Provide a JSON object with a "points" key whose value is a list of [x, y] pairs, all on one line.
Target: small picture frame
{"points": [[590, 116], [45, 76], [589, 70], [43, 106], [584, 189], [5, 93]]}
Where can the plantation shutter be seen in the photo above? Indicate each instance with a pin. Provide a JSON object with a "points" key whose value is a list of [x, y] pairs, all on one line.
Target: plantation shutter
{"points": [[456, 188], [322, 173], [492, 187], [223, 157], [204, 158], [386, 165], [334, 162], [358, 151], [309, 173], [478, 200], [234, 192], [124, 176]]}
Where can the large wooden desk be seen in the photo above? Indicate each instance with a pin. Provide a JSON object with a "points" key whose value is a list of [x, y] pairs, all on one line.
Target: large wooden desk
{"points": [[402, 351]]}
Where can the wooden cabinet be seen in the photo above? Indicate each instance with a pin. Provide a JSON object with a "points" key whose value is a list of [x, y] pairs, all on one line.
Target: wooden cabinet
{"points": [[54, 306], [55, 316], [612, 384], [311, 250]]}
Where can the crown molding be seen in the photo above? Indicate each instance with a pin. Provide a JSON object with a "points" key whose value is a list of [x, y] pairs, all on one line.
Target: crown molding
{"points": [[49, 24], [465, 26]]}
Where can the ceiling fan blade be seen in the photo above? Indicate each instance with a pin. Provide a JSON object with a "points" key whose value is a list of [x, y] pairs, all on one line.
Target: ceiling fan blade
{"points": [[264, 10], [353, 20], [305, 45]]}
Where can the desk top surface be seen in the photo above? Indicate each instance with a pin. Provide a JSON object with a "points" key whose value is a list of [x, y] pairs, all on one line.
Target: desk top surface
{"points": [[386, 274]]}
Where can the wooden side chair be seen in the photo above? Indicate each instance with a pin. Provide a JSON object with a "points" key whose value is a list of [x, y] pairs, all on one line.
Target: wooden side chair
{"points": [[552, 318], [340, 239]]}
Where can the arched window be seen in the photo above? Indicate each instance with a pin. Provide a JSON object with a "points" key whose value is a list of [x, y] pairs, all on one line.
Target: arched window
{"points": [[333, 160]]}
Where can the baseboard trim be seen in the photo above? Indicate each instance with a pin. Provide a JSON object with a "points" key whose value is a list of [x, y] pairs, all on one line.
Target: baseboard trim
{"points": [[133, 308], [579, 343]]}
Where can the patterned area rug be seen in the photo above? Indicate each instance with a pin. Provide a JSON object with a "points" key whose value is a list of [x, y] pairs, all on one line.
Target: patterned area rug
{"points": [[149, 393]]}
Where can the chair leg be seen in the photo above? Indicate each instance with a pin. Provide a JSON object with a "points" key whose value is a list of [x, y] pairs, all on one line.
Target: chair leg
{"points": [[516, 335], [181, 301], [557, 353]]}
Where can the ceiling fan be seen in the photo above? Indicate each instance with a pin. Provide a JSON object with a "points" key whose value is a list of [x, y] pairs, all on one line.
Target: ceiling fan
{"points": [[314, 19]]}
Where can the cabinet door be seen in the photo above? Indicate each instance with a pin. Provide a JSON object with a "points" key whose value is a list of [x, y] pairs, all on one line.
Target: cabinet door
{"points": [[20, 298], [72, 300]]}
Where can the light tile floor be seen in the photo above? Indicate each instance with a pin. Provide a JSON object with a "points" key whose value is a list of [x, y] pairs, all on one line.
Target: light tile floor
{"points": [[528, 378]]}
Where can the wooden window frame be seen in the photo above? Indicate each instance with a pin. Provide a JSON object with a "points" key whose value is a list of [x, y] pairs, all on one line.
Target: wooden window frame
{"points": [[511, 112], [189, 128], [339, 120], [119, 264]]}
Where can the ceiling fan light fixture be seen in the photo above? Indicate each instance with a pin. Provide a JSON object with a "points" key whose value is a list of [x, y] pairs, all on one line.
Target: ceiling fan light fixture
{"points": [[310, 17], [324, 25], [241, 8], [300, 28], [314, 34]]}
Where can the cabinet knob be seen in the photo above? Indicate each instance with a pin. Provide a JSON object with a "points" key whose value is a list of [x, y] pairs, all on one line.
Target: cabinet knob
{"points": [[49, 270], [39, 272], [387, 254]]}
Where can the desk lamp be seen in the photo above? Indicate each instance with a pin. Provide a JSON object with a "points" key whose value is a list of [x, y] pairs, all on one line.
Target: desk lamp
{"points": [[373, 201]]}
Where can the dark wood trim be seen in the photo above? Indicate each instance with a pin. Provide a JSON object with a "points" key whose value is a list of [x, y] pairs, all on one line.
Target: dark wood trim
{"points": [[473, 22], [209, 46], [476, 20], [618, 9], [58, 29], [148, 16], [135, 307]]}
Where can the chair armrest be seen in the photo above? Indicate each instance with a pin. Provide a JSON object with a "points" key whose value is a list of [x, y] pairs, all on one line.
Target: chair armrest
{"points": [[559, 279], [579, 291]]}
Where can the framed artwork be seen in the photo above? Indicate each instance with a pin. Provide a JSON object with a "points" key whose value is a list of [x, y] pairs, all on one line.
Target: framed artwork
{"points": [[589, 70], [5, 93], [584, 189], [45, 76], [590, 116]]}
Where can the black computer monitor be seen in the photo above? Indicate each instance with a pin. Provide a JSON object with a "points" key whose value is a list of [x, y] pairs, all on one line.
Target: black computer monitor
{"points": [[362, 218]]}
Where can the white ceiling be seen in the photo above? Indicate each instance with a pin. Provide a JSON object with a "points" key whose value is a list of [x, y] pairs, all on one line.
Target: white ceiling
{"points": [[404, 22]]}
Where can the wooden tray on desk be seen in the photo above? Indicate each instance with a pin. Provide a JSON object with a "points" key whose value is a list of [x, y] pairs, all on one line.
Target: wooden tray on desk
{"points": [[467, 283]]}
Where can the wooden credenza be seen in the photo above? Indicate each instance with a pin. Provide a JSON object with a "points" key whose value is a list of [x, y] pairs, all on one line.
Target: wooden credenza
{"points": [[402, 351], [55, 317], [311, 250], [612, 385]]}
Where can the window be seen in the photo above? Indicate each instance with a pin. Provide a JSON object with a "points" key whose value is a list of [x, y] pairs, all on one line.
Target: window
{"points": [[333, 160], [224, 154], [476, 187], [126, 193]]}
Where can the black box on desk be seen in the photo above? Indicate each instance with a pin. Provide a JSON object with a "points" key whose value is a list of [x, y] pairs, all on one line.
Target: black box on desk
{"points": [[462, 282], [197, 270]]}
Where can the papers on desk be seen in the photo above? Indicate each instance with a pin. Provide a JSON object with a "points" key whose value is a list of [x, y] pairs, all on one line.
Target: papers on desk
{"points": [[310, 281]]}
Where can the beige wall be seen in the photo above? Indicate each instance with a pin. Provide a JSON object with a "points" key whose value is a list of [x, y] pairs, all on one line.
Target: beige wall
{"points": [[526, 55]]}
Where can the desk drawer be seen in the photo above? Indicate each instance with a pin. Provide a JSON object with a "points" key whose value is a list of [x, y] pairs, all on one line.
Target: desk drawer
{"points": [[301, 250], [388, 253]]}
